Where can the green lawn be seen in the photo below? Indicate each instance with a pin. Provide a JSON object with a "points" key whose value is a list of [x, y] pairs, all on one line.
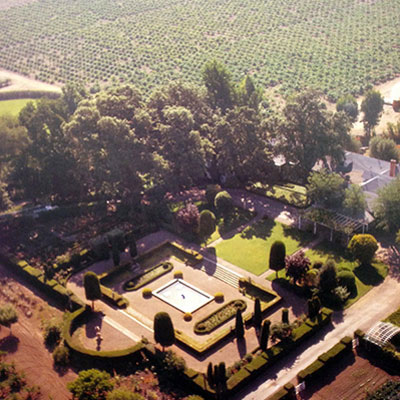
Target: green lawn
{"points": [[13, 107], [289, 193], [366, 277], [250, 249]]}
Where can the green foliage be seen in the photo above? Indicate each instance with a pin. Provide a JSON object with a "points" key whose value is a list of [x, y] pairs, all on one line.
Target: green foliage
{"points": [[211, 192], [383, 149], [91, 384], [8, 315], [188, 218], [349, 105], [285, 316], [372, 107], [148, 276], [277, 256], [354, 201], [363, 247], [207, 223], [223, 203], [163, 329], [219, 317], [264, 336], [392, 131], [124, 394], [91, 284], [5, 202], [52, 332], [347, 279], [61, 356], [297, 266], [387, 206], [326, 188], [328, 277]]}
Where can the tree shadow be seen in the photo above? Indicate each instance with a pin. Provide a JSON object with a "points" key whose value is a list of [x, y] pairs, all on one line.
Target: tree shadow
{"points": [[261, 229], [368, 275], [9, 343], [210, 261], [94, 324], [301, 236], [242, 347]]}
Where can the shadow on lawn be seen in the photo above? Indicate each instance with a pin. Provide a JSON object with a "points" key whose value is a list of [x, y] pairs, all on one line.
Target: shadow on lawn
{"points": [[261, 229], [368, 275]]}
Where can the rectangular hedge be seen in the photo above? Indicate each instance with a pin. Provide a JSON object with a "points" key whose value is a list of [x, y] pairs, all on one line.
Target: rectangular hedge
{"points": [[335, 353], [113, 297]]}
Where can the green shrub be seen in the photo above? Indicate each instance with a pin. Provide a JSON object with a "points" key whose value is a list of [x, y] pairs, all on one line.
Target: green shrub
{"points": [[148, 276], [219, 297], [146, 292], [178, 275], [61, 356], [211, 192], [223, 203], [363, 247], [52, 332], [124, 394], [311, 371], [207, 223], [187, 316], [348, 280]]}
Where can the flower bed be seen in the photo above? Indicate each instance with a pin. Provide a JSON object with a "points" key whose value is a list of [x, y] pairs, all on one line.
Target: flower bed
{"points": [[147, 276], [219, 317]]}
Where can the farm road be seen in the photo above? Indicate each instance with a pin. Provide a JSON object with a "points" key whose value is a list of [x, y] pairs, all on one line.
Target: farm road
{"points": [[377, 304]]}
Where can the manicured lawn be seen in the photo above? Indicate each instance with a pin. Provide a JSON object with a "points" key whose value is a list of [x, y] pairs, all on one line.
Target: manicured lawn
{"points": [[366, 277], [13, 107], [287, 192], [250, 249]]}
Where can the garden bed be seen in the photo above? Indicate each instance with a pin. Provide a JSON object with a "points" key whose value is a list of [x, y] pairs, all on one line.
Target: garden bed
{"points": [[148, 276], [219, 317]]}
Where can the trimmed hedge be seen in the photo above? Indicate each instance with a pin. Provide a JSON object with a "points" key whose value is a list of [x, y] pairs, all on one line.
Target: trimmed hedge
{"points": [[113, 297], [221, 315], [147, 276], [326, 359]]}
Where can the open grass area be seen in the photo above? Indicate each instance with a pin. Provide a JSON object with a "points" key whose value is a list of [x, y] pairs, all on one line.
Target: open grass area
{"points": [[13, 107], [366, 276], [250, 249], [290, 193]]}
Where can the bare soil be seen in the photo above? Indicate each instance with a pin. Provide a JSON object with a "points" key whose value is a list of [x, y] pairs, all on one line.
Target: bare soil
{"points": [[20, 82], [25, 345], [351, 379]]}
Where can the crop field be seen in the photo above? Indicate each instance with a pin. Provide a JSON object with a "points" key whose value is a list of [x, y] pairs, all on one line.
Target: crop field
{"points": [[336, 46]]}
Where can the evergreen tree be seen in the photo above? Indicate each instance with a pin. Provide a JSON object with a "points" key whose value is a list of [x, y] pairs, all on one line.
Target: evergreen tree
{"points": [[92, 287], [265, 334], [257, 316], [239, 328], [277, 256], [164, 332]]}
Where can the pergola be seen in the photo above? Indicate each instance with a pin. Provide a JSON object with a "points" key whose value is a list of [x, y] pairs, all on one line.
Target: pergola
{"points": [[381, 333], [334, 221]]}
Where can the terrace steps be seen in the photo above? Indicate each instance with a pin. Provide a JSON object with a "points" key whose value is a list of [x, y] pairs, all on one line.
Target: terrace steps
{"points": [[222, 273]]}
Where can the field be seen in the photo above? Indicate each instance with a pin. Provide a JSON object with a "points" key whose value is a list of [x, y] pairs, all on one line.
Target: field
{"points": [[338, 46], [250, 248], [12, 107]]}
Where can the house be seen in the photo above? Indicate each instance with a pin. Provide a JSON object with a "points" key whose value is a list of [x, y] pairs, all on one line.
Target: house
{"points": [[370, 173]]}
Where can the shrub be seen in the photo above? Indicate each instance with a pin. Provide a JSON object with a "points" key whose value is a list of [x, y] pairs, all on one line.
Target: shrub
{"points": [[124, 394], [187, 316], [207, 223], [52, 332], [163, 329], [223, 203], [348, 280], [297, 266], [211, 192], [188, 218], [61, 356], [91, 382], [219, 297], [178, 274], [383, 149], [327, 277], [146, 292], [363, 247]]}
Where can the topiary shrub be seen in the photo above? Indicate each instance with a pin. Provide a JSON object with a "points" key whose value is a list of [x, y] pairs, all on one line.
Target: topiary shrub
{"points": [[147, 293], [61, 356], [219, 297], [178, 274], [207, 223], [187, 316], [223, 203], [277, 256], [363, 247]]}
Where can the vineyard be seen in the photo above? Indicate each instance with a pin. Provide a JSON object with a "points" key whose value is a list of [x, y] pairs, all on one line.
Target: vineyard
{"points": [[336, 46]]}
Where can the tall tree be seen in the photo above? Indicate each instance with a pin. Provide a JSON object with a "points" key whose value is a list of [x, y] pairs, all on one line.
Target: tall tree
{"points": [[239, 328], [164, 332], [309, 133], [327, 280], [387, 206], [326, 188], [248, 94], [384, 149], [91, 284], [257, 315], [372, 108], [265, 334], [348, 104], [363, 247], [354, 201], [277, 256], [217, 80]]}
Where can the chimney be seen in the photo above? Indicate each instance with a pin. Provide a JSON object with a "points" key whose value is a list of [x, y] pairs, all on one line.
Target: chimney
{"points": [[392, 172]]}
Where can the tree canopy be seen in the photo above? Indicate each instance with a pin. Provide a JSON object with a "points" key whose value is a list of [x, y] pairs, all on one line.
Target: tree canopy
{"points": [[91, 384], [387, 206], [372, 107], [92, 286]]}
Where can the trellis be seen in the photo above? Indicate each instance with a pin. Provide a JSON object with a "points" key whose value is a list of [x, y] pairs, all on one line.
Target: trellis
{"points": [[381, 333]]}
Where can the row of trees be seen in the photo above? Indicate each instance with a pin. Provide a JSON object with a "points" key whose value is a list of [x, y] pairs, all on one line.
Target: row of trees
{"points": [[116, 144]]}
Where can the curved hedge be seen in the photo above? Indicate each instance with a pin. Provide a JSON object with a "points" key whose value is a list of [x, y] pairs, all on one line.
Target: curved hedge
{"points": [[148, 276], [219, 317]]}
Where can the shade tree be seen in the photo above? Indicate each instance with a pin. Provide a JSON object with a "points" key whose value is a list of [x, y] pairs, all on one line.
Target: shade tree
{"points": [[363, 248], [372, 108]]}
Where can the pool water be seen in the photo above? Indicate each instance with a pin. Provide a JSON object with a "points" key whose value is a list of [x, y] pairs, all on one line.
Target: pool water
{"points": [[183, 296]]}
